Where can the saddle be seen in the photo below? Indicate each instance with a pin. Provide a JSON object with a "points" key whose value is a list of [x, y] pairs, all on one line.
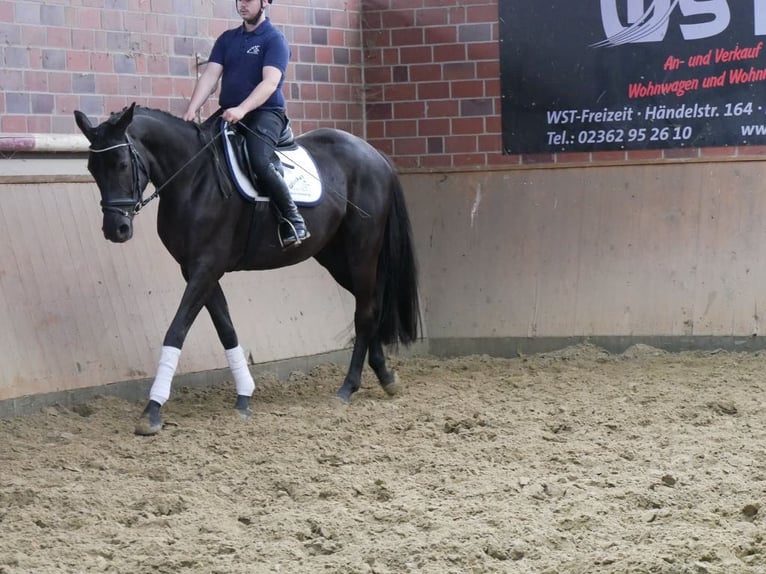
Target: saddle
{"points": [[236, 137], [291, 159]]}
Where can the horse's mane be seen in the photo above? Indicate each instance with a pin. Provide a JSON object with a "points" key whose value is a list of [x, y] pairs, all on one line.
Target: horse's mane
{"points": [[141, 110]]}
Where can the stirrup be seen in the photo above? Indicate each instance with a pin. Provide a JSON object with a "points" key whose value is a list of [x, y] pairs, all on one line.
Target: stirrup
{"points": [[292, 239]]}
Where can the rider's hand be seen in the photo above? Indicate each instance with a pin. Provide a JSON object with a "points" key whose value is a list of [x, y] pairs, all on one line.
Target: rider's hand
{"points": [[233, 115], [189, 116]]}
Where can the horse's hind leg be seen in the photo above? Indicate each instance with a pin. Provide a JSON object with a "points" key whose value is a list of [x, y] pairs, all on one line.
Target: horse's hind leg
{"points": [[388, 378], [219, 312]]}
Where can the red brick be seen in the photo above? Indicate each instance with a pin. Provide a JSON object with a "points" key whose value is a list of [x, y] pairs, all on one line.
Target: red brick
{"points": [[538, 158], [434, 127], [418, 55], [493, 124], [377, 75], [457, 15], [468, 159], [492, 88], [157, 65], [399, 92], [483, 51], [107, 84], [681, 153], [488, 69], [88, 18], [609, 156], [83, 39], [643, 155], [436, 160], [67, 103], [462, 126], [162, 86], [467, 89], [32, 35], [60, 82], [58, 37], [324, 55], [718, 152], [391, 19], [441, 35], [77, 61], [574, 157], [460, 71], [426, 73], [449, 53], [499, 159], [375, 129], [491, 142], [407, 37], [324, 92], [101, 62], [410, 146], [111, 20], [485, 13], [401, 128], [36, 81], [433, 90], [432, 17], [409, 110], [460, 144], [443, 109], [39, 124], [13, 124]]}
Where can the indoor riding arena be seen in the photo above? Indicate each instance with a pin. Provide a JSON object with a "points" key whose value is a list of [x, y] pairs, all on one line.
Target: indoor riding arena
{"points": [[586, 392]]}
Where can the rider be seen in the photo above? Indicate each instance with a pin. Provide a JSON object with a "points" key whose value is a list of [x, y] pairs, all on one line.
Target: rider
{"points": [[251, 61]]}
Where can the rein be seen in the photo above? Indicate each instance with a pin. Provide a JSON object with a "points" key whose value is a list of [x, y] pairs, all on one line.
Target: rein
{"points": [[138, 201]]}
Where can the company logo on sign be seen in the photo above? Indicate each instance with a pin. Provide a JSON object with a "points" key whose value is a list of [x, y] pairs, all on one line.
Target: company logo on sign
{"points": [[649, 22]]}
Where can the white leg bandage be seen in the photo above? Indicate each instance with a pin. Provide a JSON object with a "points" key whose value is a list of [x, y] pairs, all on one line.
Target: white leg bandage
{"points": [[160, 390], [242, 377]]}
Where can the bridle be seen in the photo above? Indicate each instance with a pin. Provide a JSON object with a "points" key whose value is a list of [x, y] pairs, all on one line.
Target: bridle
{"points": [[120, 205], [137, 202]]}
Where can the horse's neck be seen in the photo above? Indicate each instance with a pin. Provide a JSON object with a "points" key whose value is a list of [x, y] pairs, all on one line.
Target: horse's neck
{"points": [[170, 148]]}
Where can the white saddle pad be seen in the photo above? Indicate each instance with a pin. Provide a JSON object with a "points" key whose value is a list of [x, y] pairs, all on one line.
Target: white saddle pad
{"points": [[300, 173]]}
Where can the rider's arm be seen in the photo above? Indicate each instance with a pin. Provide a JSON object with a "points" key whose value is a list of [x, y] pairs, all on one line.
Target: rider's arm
{"points": [[205, 86]]}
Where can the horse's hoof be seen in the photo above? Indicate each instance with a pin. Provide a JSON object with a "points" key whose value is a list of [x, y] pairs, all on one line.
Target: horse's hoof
{"points": [[151, 421], [242, 406], [394, 387], [144, 427], [343, 397]]}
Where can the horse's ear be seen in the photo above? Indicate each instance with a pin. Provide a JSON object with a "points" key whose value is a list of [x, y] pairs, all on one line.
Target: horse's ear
{"points": [[84, 124], [125, 118]]}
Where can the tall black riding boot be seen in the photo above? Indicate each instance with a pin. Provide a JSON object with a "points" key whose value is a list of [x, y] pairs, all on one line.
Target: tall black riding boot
{"points": [[292, 228]]}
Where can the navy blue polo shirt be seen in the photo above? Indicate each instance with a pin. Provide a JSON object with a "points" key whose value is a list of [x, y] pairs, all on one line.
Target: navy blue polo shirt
{"points": [[243, 55]]}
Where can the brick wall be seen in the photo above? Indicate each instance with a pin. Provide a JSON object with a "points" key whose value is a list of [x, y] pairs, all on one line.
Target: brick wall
{"points": [[418, 78], [100, 55], [432, 81]]}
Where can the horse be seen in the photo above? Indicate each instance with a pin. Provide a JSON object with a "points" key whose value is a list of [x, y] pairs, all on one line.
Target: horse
{"points": [[360, 232]]}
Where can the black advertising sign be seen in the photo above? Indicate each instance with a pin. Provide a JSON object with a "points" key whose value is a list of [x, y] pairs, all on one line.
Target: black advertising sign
{"points": [[632, 74]]}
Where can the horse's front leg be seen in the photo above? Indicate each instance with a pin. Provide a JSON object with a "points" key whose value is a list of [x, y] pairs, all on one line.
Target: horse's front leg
{"points": [[199, 288], [243, 380]]}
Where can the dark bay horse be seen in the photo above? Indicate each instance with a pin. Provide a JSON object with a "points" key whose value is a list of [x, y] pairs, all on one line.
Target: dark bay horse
{"points": [[360, 232]]}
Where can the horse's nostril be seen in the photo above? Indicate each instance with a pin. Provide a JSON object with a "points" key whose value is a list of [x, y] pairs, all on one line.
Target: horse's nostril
{"points": [[124, 230]]}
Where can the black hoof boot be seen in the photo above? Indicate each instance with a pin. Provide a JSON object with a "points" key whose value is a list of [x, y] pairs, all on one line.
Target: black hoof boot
{"points": [[150, 422], [242, 406]]}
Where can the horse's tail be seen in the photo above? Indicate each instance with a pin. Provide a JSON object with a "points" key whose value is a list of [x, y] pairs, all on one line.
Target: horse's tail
{"points": [[398, 301]]}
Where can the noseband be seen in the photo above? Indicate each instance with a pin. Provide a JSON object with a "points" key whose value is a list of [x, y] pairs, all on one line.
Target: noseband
{"points": [[120, 205]]}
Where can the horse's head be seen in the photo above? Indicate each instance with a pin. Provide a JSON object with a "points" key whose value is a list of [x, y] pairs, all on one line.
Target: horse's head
{"points": [[118, 170]]}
